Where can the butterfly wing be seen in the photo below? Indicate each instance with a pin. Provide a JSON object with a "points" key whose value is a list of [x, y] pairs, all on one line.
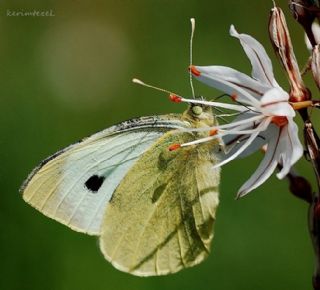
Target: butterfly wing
{"points": [[74, 185], [160, 217]]}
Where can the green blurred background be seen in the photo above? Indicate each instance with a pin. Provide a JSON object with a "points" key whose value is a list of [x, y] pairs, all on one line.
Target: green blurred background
{"points": [[66, 76]]}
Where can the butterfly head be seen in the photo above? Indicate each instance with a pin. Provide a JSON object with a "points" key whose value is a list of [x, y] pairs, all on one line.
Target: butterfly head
{"points": [[200, 115]]}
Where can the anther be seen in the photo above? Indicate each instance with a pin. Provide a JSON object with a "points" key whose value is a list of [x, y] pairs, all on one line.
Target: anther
{"points": [[174, 147], [213, 132], [234, 96], [194, 71], [174, 98]]}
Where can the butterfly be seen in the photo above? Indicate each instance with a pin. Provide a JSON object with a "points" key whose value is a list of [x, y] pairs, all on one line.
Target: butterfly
{"points": [[153, 208]]}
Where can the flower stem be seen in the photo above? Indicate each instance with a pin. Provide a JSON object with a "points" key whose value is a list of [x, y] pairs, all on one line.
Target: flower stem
{"points": [[312, 143]]}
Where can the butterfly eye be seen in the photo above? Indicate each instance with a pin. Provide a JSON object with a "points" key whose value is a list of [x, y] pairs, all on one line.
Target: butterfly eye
{"points": [[197, 110]]}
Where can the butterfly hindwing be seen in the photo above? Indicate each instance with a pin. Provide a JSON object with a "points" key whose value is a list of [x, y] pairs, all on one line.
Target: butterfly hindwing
{"points": [[74, 185], [160, 217]]}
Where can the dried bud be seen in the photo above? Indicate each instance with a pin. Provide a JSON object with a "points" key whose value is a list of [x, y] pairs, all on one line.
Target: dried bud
{"points": [[316, 281], [281, 41], [305, 11], [315, 64], [300, 187]]}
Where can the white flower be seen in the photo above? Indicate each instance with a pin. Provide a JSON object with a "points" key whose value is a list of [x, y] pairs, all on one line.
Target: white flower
{"points": [[266, 116]]}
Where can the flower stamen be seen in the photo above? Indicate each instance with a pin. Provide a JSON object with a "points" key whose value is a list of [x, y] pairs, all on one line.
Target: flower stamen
{"points": [[174, 147], [301, 105], [194, 71], [213, 132], [174, 98]]}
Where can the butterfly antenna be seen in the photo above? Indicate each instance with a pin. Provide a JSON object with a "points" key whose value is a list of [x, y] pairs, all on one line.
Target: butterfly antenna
{"points": [[193, 26], [139, 82]]}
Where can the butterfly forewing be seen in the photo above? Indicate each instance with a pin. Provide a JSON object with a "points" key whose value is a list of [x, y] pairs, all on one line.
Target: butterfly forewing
{"points": [[160, 217], [74, 185]]}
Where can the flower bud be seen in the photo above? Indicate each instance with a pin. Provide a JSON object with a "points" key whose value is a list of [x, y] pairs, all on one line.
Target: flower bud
{"points": [[315, 64], [300, 187], [317, 210], [280, 38]]}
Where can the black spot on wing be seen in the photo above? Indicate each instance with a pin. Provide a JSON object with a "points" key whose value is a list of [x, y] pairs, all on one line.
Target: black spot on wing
{"points": [[94, 183], [161, 123]]}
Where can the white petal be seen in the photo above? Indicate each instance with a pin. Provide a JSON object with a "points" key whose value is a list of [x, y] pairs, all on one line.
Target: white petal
{"points": [[230, 75], [265, 169], [274, 95], [291, 149], [275, 103], [279, 109], [260, 61], [228, 87], [316, 33], [284, 151], [247, 119], [233, 142], [262, 126], [307, 42], [233, 145], [240, 131], [297, 151]]}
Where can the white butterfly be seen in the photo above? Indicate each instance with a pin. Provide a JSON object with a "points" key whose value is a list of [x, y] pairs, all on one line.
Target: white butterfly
{"points": [[152, 208]]}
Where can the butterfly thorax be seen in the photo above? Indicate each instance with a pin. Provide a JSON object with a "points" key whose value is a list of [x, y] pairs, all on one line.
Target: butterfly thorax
{"points": [[199, 116]]}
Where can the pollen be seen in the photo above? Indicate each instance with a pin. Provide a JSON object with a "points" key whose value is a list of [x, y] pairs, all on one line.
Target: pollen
{"points": [[174, 98], [280, 121], [174, 147], [194, 71], [213, 132]]}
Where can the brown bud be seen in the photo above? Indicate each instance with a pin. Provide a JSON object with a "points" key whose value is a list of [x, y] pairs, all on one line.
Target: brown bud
{"points": [[316, 282], [317, 210], [300, 187], [280, 38]]}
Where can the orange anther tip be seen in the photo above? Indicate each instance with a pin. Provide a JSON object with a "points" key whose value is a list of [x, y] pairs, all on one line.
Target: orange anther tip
{"points": [[174, 147], [194, 71], [234, 96], [213, 132], [175, 98]]}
